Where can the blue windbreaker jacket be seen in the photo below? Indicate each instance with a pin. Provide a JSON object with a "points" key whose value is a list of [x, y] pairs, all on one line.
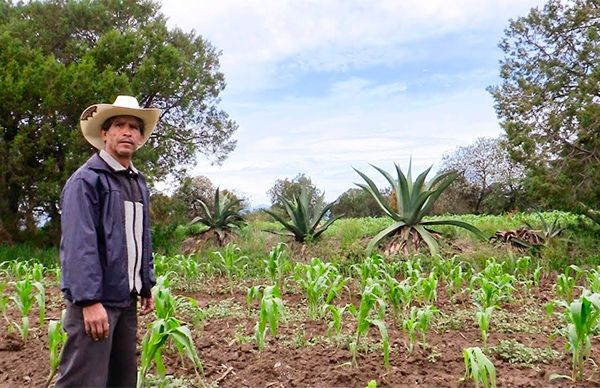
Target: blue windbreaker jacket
{"points": [[93, 247]]}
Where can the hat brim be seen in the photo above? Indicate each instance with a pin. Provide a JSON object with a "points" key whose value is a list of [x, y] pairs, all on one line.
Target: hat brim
{"points": [[92, 119]]}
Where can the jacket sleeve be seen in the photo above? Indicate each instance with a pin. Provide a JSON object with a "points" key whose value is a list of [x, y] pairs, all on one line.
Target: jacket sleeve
{"points": [[79, 255]]}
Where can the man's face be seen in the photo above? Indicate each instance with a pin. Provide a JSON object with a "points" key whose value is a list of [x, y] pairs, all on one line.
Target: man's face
{"points": [[123, 137]]}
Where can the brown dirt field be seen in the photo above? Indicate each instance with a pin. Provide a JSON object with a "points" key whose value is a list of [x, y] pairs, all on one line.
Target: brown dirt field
{"points": [[302, 356]]}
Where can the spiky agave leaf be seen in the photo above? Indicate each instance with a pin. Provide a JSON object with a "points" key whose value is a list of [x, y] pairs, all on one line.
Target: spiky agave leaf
{"points": [[304, 217], [414, 200], [224, 218]]}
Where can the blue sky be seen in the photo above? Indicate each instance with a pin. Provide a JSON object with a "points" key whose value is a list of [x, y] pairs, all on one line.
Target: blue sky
{"points": [[319, 87]]}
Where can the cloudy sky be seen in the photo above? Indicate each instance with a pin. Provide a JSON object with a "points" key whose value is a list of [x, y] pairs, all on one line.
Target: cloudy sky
{"points": [[319, 87]]}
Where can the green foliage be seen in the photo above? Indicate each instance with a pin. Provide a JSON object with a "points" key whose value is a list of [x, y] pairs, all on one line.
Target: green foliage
{"points": [[321, 282], [479, 368], [57, 338], [305, 217], [582, 315], [482, 317], [413, 201], [515, 352], [225, 216], [230, 262], [547, 101], [356, 203], [372, 297], [277, 265], [270, 312], [166, 327], [293, 188], [49, 74]]}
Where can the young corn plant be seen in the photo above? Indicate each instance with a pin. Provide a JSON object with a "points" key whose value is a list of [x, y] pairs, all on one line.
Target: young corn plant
{"points": [[479, 368], [57, 338], [270, 313], [400, 295], [166, 327], [40, 298], [428, 288], [161, 331], [321, 283], [337, 315], [457, 278], [370, 268], [23, 299], [582, 316], [277, 265], [565, 283], [482, 318], [3, 300], [231, 262], [424, 318], [373, 296], [410, 324]]}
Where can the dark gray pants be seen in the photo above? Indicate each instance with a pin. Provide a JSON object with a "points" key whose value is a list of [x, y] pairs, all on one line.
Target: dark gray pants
{"points": [[106, 363]]}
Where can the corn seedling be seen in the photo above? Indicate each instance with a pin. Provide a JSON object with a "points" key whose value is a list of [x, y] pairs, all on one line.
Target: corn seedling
{"points": [[277, 265], [23, 299], [370, 268], [428, 288], [482, 317], [3, 300], [57, 338], [231, 262], [154, 341], [424, 318], [337, 315], [321, 283], [479, 368], [271, 310], [565, 283], [372, 296], [488, 293], [400, 295], [410, 324], [593, 280], [582, 316], [40, 297], [164, 301]]}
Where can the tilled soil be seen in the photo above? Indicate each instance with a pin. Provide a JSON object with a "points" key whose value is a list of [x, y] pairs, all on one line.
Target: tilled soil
{"points": [[303, 356]]}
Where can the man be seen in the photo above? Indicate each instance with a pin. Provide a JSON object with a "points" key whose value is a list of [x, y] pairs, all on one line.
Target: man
{"points": [[105, 250]]}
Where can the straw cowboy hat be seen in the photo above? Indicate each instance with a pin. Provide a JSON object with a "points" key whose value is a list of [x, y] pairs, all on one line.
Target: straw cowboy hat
{"points": [[93, 117]]}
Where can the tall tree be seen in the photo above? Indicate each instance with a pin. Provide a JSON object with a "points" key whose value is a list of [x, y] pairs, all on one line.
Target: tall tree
{"points": [[549, 100], [58, 57], [292, 188], [356, 202]]}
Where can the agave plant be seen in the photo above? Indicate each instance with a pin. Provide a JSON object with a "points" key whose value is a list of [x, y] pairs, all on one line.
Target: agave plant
{"points": [[305, 218], [223, 219], [414, 200]]}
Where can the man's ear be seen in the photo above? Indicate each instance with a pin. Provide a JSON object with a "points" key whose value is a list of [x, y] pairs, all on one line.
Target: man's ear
{"points": [[103, 134]]}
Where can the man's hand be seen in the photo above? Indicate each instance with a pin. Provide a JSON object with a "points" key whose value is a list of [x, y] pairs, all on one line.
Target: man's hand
{"points": [[95, 320], [146, 305]]}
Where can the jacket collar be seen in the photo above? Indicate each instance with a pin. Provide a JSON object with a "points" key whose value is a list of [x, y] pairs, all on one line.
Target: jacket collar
{"points": [[99, 162]]}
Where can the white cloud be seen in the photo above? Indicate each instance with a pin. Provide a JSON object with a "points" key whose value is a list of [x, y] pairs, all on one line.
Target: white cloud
{"points": [[349, 117]]}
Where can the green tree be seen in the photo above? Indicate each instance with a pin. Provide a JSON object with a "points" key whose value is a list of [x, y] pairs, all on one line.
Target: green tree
{"points": [[356, 202], [291, 188], [548, 101], [58, 57]]}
